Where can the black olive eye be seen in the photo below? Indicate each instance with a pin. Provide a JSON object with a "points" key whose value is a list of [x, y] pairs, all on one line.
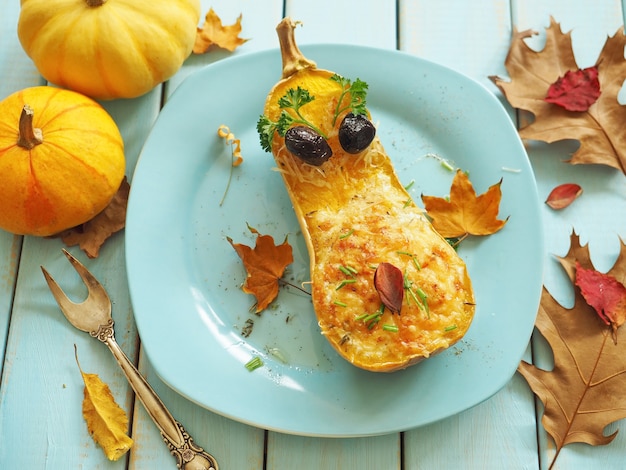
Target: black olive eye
{"points": [[356, 132], [307, 145]]}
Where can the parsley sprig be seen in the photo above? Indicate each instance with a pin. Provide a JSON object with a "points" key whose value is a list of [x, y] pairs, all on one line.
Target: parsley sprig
{"points": [[293, 100], [358, 92]]}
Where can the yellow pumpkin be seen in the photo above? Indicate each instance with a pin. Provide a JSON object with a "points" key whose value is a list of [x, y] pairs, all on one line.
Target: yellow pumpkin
{"points": [[61, 160], [108, 48]]}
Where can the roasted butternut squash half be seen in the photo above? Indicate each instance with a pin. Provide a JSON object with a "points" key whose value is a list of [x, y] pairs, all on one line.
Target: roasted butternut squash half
{"points": [[388, 291]]}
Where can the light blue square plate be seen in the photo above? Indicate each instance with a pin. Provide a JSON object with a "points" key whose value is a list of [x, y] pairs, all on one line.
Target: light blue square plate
{"points": [[185, 278]]}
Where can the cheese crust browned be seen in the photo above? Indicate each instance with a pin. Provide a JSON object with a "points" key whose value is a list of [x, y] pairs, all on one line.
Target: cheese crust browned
{"points": [[354, 214]]}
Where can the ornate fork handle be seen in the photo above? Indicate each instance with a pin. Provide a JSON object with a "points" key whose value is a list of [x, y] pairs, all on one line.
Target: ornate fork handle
{"points": [[188, 455]]}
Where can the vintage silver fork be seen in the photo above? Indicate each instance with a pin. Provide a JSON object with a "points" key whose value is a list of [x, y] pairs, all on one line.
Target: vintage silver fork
{"points": [[93, 315]]}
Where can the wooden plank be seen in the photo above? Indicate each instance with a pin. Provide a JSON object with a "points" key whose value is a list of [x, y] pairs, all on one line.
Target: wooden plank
{"points": [[297, 452], [331, 21], [376, 29], [42, 388], [592, 216], [17, 71], [235, 445], [473, 41], [258, 21], [10, 247]]}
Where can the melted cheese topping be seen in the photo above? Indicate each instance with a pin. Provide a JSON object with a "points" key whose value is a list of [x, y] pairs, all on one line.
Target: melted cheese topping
{"points": [[354, 214]]}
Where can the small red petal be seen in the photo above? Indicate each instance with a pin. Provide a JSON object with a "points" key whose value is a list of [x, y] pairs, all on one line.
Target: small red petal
{"points": [[563, 195], [389, 283]]}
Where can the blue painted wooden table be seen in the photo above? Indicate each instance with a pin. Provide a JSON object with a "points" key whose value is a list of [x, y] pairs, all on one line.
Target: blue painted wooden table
{"points": [[41, 425]]}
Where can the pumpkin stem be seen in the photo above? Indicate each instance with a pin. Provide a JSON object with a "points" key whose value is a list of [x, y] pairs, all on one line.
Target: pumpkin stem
{"points": [[29, 136], [293, 59], [95, 3]]}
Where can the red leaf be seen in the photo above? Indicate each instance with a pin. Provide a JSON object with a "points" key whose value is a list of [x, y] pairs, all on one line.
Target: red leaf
{"points": [[563, 195], [389, 282], [605, 294], [575, 91]]}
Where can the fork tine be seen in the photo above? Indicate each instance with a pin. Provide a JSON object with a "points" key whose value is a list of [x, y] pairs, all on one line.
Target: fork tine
{"points": [[97, 297], [93, 285]]}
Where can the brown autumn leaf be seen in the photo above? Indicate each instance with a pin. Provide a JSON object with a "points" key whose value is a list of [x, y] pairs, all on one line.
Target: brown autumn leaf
{"points": [[214, 33], [600, 128], [265, 265], [91, 235], [586, 389], [464, 213], [106, 421]]}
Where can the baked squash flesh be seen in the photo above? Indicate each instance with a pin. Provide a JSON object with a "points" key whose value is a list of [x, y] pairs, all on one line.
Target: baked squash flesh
{"points": [[355, 214]]}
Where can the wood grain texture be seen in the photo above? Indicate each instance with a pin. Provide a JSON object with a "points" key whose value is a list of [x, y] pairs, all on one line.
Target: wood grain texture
{"points": [[41, 424], [592, 217], [473, 41]]}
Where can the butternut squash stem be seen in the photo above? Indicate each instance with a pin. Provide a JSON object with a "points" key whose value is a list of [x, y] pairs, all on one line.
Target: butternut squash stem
{"points": [[29, 136], [292, 57]]}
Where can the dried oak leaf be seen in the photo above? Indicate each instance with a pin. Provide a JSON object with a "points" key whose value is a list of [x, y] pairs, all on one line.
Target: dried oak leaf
{"points": [[586, 389], [214, 33], [106, 421], [265, 265], [600, 128], [464, 213], [91, 235]]}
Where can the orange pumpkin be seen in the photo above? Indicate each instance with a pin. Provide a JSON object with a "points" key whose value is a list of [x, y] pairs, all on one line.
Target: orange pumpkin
{"points": [[61, 160]]}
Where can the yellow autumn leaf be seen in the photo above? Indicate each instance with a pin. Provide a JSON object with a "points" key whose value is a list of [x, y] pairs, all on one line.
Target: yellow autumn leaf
{"points": [[214, 33], [106, 421]]}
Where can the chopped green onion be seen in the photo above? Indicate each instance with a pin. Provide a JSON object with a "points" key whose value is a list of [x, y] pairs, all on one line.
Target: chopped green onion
{"points": [[348, 270], [254, 363], [450, 328], [417, 264], [407, 203], [345, 282], [346, 235], [361, 317], [446, 165], [372, 316], [351, 269], [340, 304], [408, 186], [392, 328], [424, 298]]}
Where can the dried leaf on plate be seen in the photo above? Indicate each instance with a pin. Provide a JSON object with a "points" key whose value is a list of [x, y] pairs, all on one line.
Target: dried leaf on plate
{"points": [[464, 213], [265, 265], [106, 421]]}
